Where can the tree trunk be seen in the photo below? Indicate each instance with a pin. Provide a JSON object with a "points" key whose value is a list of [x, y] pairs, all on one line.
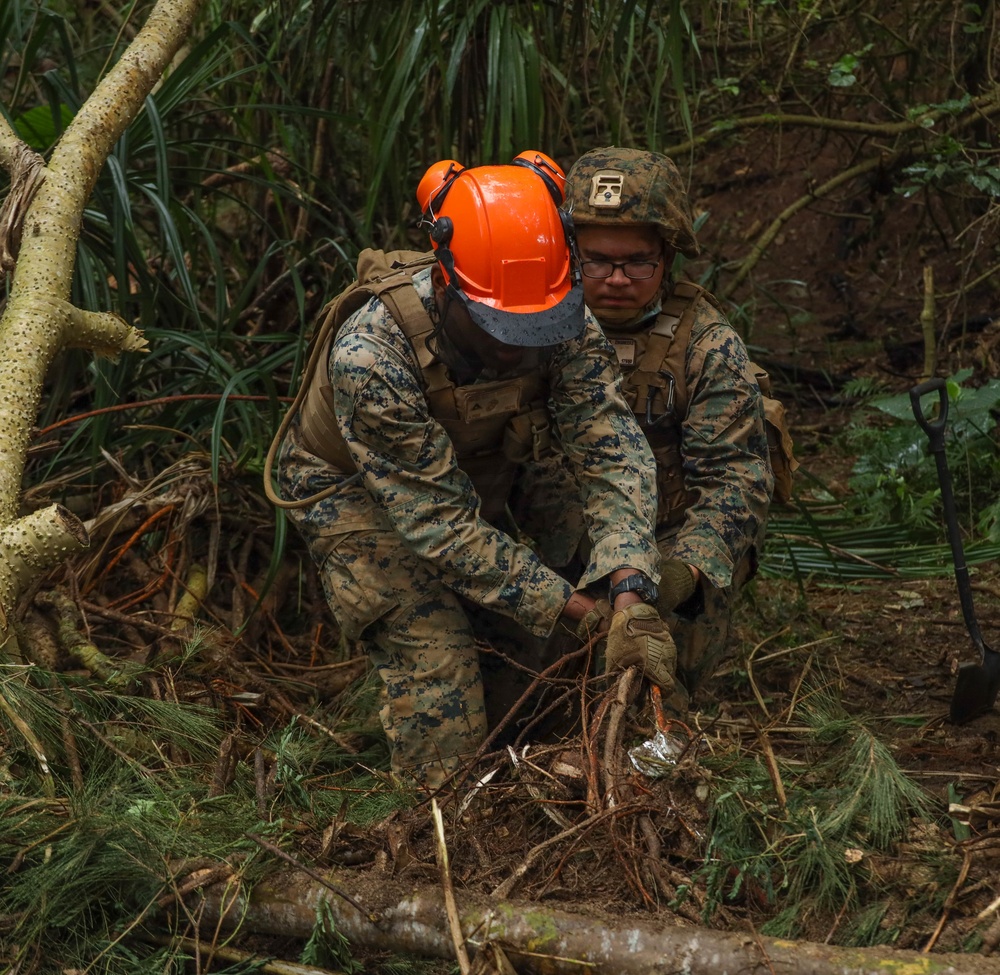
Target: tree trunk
{"points": [[38, 321], [543, 939]]}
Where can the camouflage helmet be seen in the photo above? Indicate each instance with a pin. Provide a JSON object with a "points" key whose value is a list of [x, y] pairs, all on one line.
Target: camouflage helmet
{"points": [[615, 186]]}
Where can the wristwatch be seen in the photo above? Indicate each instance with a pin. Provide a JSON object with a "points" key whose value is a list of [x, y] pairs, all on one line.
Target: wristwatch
{"points": [[640, 584]]}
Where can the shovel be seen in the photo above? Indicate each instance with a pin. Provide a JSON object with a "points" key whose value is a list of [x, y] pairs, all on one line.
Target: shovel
{"points": [[977, 683]]}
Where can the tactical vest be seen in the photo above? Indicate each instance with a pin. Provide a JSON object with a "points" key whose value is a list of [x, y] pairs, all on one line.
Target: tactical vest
{"points": [[493, 426], [653, 364]]}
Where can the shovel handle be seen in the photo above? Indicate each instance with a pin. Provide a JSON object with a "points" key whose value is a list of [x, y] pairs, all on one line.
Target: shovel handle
{"points": [[935, 435]]}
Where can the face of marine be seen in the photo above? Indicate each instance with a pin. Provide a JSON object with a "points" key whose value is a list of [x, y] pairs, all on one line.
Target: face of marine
{"points": [[478, 348], [619, 297]]}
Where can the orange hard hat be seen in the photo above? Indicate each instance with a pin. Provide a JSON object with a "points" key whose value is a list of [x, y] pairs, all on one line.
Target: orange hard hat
{"points": [[505, 247]]}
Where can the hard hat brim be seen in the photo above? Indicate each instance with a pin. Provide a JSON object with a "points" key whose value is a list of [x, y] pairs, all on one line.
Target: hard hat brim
{"points": [[534, 329]]}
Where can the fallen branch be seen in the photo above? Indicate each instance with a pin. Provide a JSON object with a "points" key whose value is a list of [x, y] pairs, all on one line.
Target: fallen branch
{"points": [[538, 938]]}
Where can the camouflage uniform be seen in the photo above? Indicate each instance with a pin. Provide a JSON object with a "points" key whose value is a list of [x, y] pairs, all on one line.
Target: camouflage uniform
{"points": [[726, 469], [409, 566], [717, 520]]}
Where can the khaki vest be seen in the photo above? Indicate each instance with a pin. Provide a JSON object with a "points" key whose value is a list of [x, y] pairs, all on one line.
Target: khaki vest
{"points": [[653, 364], [493, 426]]}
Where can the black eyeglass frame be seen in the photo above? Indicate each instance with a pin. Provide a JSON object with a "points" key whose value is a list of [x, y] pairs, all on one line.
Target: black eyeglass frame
{"points": [[614, 265]]}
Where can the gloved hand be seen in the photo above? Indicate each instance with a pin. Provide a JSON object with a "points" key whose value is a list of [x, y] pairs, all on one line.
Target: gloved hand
{"points": [[677, 585], [639, 636], [595, 622]]}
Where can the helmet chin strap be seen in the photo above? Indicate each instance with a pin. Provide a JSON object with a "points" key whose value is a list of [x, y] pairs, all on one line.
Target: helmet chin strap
{"points": [[462, 367]]}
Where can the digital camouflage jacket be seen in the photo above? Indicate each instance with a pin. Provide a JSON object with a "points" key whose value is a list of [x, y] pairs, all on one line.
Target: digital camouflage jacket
{"points": [[715, 457], [413, 484]]}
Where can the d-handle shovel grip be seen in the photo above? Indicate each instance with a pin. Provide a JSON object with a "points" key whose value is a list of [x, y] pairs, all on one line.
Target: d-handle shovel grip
{"points": [[935, 435], [933, 428]]}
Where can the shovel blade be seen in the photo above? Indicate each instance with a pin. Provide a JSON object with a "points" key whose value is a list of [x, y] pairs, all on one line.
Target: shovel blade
{"points": [[975, 688]]}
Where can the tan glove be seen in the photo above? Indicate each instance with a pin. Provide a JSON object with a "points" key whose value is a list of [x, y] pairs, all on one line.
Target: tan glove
{"points": [[595, 623], [638, 636]]}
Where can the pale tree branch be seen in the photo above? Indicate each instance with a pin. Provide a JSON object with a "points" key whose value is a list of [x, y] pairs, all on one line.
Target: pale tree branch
{"points": [[38, 320], [10, 144], [539, 937]]}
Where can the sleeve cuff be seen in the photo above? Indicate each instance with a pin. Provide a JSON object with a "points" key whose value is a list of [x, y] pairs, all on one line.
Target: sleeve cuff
{"points": [[709, 554], [618, 551], [545, 597]]}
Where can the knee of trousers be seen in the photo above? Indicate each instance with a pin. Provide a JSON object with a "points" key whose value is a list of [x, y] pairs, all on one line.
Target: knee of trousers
{"points": [[433, 713]]}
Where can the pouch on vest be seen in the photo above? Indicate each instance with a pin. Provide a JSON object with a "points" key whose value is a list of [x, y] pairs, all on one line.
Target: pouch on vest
{"points": [[779, 439], [661, 397], [528, 436]]}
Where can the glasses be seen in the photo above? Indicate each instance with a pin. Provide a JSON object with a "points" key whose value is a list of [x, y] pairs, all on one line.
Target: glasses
{"points": [[633, 270]]}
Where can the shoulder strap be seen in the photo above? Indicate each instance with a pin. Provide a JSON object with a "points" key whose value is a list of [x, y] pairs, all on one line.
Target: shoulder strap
{"points": [[661, 368], [386, 275], [406, 307]]}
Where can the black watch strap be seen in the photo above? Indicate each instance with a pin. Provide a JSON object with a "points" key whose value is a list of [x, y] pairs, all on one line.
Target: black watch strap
{"points": [[640, 584]]}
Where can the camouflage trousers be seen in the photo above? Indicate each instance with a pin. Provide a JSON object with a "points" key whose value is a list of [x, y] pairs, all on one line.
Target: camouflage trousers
{"points": [[443, 694]]}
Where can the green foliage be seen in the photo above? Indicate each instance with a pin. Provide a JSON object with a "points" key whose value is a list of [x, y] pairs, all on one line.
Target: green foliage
{"points": [[805, 545], [951, 164], [842, 73], [894, 478], [868, 927], [891, 519], [326, 947], [309, 769], [130, 800], [849, 802], [84, 866]]}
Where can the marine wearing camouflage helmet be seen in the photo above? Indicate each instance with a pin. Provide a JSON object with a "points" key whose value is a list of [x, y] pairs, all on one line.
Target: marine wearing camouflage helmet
{"points": [[615, 187], [694, 392], [446, 376]]}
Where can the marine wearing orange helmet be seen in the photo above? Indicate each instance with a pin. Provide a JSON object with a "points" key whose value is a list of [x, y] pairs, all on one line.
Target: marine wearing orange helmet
{"points": [[439, 379], [502, 244]]}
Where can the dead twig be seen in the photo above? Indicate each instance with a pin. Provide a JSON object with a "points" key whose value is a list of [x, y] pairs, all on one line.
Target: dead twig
{"points": [[48, 784], [949, 902], [505, 888], [224, 766], [463, 774], [761, 949], [260, 781], [197, 880], [749, 668], [624, 692], [451, 908], [772, 768]]}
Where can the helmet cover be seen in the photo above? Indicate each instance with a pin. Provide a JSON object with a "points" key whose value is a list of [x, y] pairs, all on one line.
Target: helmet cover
{"points": [[615, 186]]}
